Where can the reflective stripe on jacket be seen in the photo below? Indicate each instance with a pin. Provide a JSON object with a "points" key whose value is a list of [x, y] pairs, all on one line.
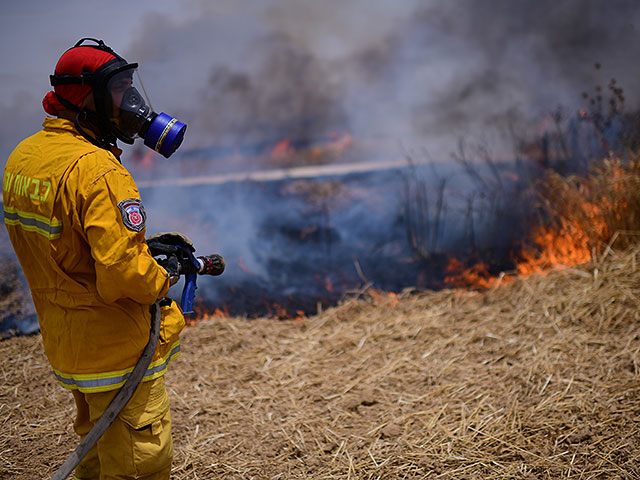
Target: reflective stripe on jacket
{"points": [[88, 267], [112, 380]]}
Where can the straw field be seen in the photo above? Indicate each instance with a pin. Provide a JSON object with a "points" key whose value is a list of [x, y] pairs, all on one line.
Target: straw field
{"points": [[536, 379]]}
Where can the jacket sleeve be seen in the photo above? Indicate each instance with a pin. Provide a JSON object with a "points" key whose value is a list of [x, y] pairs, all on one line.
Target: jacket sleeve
{"points": [[124, 266]]}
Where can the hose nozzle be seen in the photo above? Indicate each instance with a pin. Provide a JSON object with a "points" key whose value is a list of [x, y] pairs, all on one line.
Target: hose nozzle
{"points": [[211, 265]]}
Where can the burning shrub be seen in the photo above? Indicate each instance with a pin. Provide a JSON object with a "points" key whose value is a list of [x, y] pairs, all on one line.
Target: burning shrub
{"points": [[585, 213], [579, 217], [583, 172]]}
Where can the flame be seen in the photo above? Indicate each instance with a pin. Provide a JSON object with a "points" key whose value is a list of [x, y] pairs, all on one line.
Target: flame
{"points": [[570, 241], [279, 311], [567, 247], [342, 141], [476, 276], [551, 247], [243, 266], [336, 144], [328, 285], [143, 158], [203, 310], [585, 212], [380, 298], [221, 313], [282, 150], [565, 244]]}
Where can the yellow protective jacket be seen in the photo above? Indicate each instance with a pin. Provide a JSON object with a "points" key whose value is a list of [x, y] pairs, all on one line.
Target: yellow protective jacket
{"points": [[76, 222]]}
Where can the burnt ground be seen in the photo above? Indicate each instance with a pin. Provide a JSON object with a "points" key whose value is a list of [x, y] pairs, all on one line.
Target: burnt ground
{"points": [[17, 314], [536, 379]]}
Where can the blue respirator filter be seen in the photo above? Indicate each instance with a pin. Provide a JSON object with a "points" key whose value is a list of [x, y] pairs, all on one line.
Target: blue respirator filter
{"points": [[165, 134]]}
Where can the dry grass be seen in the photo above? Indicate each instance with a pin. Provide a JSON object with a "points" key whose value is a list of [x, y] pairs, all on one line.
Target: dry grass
{"points": [[536, 379]]}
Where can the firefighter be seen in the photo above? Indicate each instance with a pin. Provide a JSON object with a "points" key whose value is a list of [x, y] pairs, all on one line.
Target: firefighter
{"points": [[77, 223]]}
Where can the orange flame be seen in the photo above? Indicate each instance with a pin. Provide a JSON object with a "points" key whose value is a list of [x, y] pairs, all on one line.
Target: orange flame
{"points": [[144, 159], [328, 285], [564, 245], [570, 242], [203, 310], [280, 312], [243, 266], [383, 298], [476, 276], [282, 150], [337, 145], [567, 247]]}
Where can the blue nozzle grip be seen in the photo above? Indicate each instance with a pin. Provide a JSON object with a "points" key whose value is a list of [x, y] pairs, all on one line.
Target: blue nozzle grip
{"points": [[188, 293]]}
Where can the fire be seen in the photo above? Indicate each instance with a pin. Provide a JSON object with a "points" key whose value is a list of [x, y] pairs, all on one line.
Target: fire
{"points": [[380, 298], [567, 247], [584, 212], [243, 266], [282, 150], [338, 143], [328, 285], [335, 144], [577, 228], [144, 159], [551, 247], [279, 311], [204, 310], [476, 276]]}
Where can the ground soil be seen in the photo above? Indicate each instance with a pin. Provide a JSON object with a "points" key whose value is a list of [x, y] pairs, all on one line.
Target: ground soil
{"points": [[536, 379]]}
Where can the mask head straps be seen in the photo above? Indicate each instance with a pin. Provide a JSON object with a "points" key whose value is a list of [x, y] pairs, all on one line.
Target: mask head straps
{"points": [[97, 81]]}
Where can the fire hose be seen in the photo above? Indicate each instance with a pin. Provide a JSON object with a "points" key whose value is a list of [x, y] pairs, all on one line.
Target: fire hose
{"points": [[209, 265]]}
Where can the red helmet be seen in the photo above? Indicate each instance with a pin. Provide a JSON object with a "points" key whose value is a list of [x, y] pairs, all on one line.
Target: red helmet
{"points": [[85, 69], [72, 64], [119, 110]]}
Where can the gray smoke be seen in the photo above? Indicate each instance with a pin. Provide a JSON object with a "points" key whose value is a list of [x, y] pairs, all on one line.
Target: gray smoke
{"points": [[425, 74], [529, 56], [418, 73], [422, 72]]}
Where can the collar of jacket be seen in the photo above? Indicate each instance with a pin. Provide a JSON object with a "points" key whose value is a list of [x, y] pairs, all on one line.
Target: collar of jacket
{"points": [[51, 123]]}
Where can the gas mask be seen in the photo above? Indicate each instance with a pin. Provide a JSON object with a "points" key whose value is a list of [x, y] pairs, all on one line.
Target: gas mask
{"points": [[132, 116], [121, 111]]}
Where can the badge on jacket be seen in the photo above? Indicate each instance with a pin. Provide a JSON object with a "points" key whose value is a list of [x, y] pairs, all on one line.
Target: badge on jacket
{"points": [[133, 214]]}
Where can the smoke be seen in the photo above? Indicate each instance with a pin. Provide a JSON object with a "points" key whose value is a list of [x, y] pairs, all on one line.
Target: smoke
{"points": [[424, 74], [530, 56], [22, 116], [297, 101]]}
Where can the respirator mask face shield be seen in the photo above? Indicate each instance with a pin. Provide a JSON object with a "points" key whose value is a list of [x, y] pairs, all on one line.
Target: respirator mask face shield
{"points": [[131, 115], [130, 108]]}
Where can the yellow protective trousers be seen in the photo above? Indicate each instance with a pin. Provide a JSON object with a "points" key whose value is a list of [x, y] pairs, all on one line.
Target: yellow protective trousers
{"points": [[138, 443]]}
